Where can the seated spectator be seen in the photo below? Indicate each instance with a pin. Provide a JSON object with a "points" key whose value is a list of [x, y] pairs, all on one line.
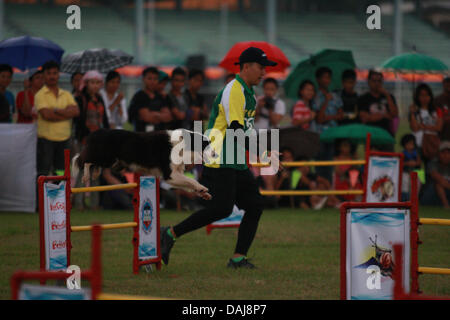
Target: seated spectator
{"points": [[270, 109], [26, 109], [177, 101], [6, 73], [343, 173], [92, 117], [115, 102], [148, 111], [287, 179], [302, 112], [197, 110], [437, 189], [115, 199], [4, 109], [378, 107], [443, 102], [411, 162], [425, 122], [75, 81], [349, 97], [329, 111]]}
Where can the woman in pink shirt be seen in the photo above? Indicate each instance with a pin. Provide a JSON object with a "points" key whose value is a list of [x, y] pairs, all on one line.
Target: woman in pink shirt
{"points": [[302, 112]]}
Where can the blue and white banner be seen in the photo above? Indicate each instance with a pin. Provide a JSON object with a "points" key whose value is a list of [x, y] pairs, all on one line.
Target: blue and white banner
{"points": [[55, 226], [383, 179], [234, 218], [148, 210], [371, 234], [36, 292]]}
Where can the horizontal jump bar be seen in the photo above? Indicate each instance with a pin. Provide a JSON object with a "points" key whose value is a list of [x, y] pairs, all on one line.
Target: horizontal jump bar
{"points": [[105, 188], [309, 193], [313, 163], [440, 222], [121, 225], [434, 270]]}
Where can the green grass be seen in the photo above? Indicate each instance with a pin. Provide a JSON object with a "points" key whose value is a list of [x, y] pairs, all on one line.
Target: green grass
{"points": [[296, 251]]}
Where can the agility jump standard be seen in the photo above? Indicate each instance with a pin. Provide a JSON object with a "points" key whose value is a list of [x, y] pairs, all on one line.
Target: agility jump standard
{"points": [[55, 226], [93, 275]]}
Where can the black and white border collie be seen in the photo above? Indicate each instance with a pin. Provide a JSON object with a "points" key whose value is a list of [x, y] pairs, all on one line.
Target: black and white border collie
{"points": [[148, 153]]}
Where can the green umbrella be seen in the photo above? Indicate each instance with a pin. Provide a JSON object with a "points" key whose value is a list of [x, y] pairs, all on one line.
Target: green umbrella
{"points": [[357, 133], [336, 60], [414, 62]]}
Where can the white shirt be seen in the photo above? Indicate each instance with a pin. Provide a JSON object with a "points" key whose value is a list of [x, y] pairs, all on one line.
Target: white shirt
{"points": [[263, 119], [114, 118]]}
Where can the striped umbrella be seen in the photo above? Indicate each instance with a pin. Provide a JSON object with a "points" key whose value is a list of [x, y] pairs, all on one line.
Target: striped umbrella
{"points": [[103, 60]]}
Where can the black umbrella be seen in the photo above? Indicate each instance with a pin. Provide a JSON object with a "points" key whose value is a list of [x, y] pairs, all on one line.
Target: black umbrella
{"points": [[103, 60]]}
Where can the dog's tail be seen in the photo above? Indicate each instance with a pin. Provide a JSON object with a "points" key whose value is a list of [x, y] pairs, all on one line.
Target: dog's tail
{"points": [[74, 169]]}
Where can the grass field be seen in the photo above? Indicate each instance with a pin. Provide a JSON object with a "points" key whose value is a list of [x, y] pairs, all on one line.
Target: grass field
{"points": [[297, 254]]}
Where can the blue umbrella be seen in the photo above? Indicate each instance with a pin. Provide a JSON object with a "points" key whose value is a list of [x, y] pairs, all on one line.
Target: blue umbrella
{"points": [[29, 52]]}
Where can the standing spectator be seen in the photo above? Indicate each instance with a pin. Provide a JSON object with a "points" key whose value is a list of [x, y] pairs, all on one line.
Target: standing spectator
{"points": [[411, 162], [349, 97], [437, 189], [329, 110], [270, 109], [177, 101], [91, 118], [425, 122], [197, 110], [443, 102], [147, 109], [26, 109], [115, 103], [6, 73], [163, 80], [378, 107], [56, 108], [75, 80], [302, 112]]}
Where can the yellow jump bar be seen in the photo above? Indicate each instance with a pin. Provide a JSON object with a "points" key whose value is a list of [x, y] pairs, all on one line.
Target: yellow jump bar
{"points": [[111, 296], [105, 188], [309, 193], [439, 222], [313, 163], [434, 270], [121, 225]]}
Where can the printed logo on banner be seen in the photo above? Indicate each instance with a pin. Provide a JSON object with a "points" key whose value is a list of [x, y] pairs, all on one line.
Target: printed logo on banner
{"points": [[147, 216], [383, 188]]}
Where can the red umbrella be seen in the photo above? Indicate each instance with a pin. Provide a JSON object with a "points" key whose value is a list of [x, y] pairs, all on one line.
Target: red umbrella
{"points": [[273, 53]]}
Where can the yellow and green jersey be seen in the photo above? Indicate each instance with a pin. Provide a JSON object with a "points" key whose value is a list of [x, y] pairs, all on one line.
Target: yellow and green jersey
{"points": [[236, 102]]}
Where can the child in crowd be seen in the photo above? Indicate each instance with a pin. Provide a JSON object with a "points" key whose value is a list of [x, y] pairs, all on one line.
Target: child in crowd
{"points": [[302, 112], [411, 162], [344, 175]]}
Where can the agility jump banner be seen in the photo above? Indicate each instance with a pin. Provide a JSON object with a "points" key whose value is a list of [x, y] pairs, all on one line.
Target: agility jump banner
{"points": [[36, 292], [148, 208], [383, 177], [367, 258], [55, 225]]}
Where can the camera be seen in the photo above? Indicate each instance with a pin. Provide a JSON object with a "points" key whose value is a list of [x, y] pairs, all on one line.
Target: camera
{"points": [[269, 103]]}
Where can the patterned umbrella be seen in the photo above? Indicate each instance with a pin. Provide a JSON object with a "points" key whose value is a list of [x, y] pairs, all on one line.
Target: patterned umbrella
{"points": [[103, 60]]}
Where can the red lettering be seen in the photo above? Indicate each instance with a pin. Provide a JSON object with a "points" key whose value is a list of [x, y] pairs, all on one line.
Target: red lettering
{"points": [[58, 244], [57, 206]]}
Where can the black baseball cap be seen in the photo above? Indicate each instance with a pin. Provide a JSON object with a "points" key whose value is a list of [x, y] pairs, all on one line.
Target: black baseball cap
{"points": [[253, 54]]}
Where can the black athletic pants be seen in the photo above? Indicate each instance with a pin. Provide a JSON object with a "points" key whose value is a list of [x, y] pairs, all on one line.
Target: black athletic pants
{"points": [[228, 187]]}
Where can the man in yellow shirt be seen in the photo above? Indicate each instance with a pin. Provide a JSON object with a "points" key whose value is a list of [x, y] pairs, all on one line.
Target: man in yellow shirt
{"points": [[56, 108]]}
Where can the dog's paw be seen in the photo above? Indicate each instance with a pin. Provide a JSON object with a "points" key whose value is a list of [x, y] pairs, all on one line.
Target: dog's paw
{"points": [[203, 193]]}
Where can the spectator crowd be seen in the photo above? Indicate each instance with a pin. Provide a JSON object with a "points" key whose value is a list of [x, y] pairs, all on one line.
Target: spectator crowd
{"points": [[64, 120]]}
